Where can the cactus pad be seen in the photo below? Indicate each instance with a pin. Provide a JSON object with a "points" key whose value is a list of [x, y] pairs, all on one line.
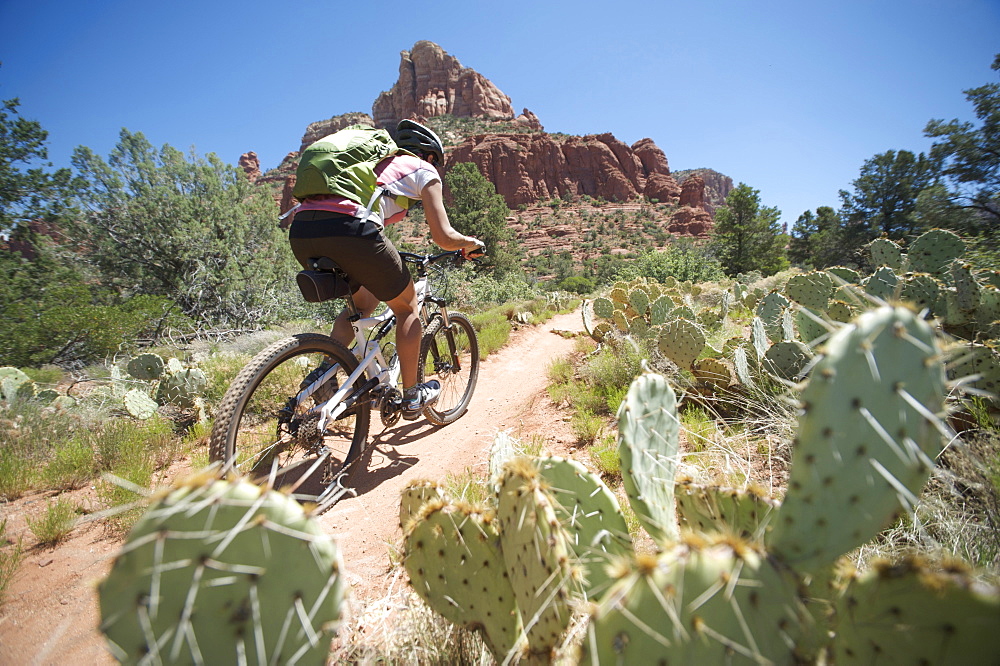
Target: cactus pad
{"points": [[698, 603], [915, 614], [886, 253], [414, 496], [786, 360], [770, 310], [146, 367], [811, 290], [604, 308], [682, 341], [708, 509], [933, 251], [139, 404], [919, 290], [648, 443], [590, 515], [867, 438], [452, 555], [538, 556], [842, 274], [882, 284], [222, 572], [181, 387], [716, 372]]}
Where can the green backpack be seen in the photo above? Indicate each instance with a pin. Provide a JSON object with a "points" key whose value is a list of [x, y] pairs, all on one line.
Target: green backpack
{"points": [[343, 164]]}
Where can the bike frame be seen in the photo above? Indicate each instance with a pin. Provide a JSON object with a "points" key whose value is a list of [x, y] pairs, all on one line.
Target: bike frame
{"points": [[371, 360]]}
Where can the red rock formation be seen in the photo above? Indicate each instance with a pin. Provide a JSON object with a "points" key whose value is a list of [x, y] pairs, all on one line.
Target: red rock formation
{"points": [[526, 168], [529, 120], [319, 129], [433, 83], [717, 186], [692, 219], [250, 164], [693, 192]]}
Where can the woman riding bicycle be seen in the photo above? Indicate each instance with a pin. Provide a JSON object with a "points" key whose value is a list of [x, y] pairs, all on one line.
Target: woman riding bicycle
{"points": [[334, 227]]}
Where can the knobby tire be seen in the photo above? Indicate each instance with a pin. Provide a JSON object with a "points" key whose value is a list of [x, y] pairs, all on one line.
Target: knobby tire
{"points": [[457, 381]]}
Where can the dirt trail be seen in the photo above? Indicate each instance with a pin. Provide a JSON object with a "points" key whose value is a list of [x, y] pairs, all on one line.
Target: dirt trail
{"points": [[50, 615]]}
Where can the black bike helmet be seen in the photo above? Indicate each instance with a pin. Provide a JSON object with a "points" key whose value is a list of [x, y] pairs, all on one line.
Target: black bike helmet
{"points": [[418, 139]]}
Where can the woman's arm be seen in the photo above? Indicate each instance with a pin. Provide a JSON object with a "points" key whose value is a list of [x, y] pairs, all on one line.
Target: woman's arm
{"points": [[442, 233]]}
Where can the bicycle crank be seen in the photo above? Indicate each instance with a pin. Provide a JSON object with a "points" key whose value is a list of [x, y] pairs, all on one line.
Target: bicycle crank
{"points": [[391, 407]]}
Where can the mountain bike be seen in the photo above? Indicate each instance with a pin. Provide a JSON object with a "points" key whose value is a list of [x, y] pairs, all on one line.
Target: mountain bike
{"points": [[301, 409]]}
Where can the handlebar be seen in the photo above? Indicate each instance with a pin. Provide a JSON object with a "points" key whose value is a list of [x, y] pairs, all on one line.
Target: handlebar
{"points": [[425, 260]]}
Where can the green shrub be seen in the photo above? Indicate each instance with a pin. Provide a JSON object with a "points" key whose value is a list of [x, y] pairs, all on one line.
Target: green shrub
{"points": [[72, 464], [55, 523], [11, 554]]}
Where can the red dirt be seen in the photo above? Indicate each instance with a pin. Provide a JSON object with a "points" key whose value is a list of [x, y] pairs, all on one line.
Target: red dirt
{"points": [[50, 614]]}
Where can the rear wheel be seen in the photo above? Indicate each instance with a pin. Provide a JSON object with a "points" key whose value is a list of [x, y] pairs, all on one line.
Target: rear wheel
{"points": [[449, 354], [261, 428]]}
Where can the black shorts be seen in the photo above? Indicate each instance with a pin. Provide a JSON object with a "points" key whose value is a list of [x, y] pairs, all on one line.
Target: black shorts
{"points": [[367, 256]]}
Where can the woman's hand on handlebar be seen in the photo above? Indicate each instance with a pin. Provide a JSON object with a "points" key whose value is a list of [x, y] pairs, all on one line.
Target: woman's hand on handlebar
{"points": [[476, 250]]}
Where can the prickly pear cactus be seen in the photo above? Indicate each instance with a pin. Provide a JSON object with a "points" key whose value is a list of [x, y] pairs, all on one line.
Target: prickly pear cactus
{"points": [[604, 308], [787, 360], [701, 602], [919, 290], [182, 387], [139, 404], [591, 517], [223, 572], [639, 300], [15, 384], [916, 614], [867, 438], [967, 288], [713, 509], [977, 366], [882, 284], [146, 367], [770, 310], [715, 372], [648, 443], [659, 310], [538, 557], [682, 341], [810, 290], [933, 251], [414, 496], [453, 558], [886, 253], [842, 275]]}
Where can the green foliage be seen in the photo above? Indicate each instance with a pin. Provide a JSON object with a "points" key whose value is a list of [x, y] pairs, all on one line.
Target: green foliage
{"points": [[969, 156], [55, 523], [884, 198], [11, 554], [816, 239], [683, 260], [160, 223], [477, 210], [747, 235]]}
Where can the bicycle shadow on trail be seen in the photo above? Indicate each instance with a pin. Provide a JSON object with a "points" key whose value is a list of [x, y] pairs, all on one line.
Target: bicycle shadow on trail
{"points": [[382, 460]]}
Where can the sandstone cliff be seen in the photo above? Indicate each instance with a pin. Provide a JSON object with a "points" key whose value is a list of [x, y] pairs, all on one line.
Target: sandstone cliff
{"points": [[433, 83]]}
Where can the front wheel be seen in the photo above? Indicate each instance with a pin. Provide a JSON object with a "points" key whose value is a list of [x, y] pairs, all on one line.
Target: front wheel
{"points": [[449, 354], [263, 428]]}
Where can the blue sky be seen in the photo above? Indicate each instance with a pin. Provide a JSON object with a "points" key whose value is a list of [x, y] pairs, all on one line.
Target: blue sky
{"points": [[790, 96]]}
